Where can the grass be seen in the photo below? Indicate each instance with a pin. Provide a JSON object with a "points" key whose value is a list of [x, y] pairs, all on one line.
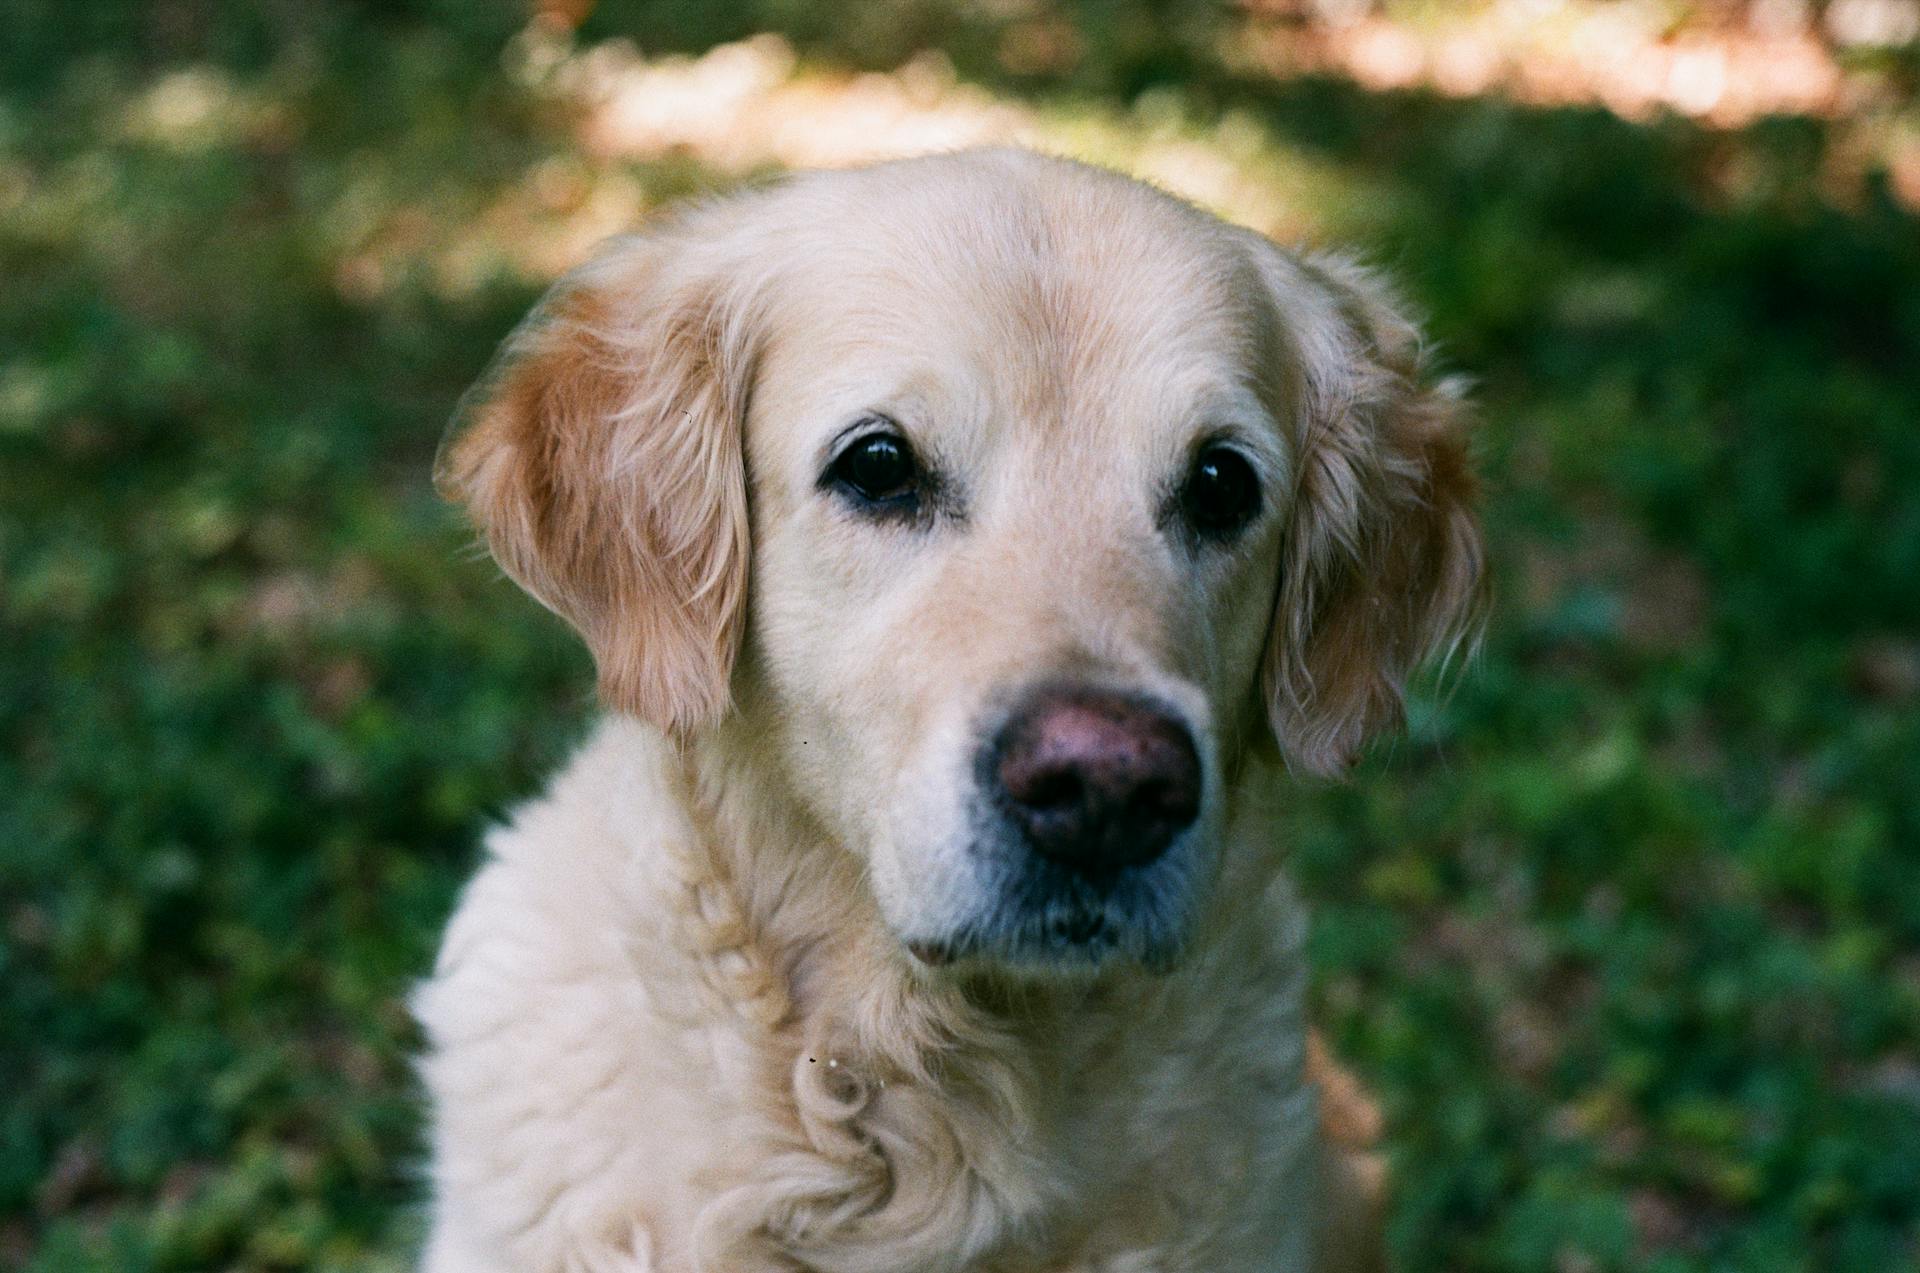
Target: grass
{"points": [[1626, 933]]}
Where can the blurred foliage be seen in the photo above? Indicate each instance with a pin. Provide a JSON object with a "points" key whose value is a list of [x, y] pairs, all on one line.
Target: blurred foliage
{"points": [[1626, 933]]}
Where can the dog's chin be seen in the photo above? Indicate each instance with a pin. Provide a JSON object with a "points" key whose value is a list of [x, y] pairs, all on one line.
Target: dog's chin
{"points": [[1045, 958], [1040, 921]]}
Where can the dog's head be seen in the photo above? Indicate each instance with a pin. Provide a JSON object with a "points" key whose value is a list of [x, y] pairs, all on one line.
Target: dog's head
{"points": [[1008, 504]]}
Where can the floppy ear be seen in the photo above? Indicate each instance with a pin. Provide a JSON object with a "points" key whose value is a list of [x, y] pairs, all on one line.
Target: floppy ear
{"points": [[1383, 565], [602, 459]]}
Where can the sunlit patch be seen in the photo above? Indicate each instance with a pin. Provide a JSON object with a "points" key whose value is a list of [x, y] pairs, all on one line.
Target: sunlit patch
{"points": [[745, 106], [200, 108], [1903, 168], [1624, 56], [752, 106], [1873, 23]]}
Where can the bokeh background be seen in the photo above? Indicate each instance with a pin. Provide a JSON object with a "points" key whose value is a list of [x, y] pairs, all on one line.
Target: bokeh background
{"points": [[1625, 933]]}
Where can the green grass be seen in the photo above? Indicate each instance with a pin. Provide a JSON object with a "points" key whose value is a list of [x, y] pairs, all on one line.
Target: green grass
{"points": [[1626, 933]]}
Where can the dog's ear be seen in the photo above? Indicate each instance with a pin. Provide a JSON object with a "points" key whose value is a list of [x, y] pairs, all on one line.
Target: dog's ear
{"points": [[602, 457], [1383, 563]]}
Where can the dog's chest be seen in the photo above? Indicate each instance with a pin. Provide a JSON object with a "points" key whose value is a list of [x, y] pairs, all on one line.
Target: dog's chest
{"points": [[1120, 1135]]}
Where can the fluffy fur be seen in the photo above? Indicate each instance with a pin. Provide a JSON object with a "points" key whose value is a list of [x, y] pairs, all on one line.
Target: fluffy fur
{"points": [[675, 1024]]}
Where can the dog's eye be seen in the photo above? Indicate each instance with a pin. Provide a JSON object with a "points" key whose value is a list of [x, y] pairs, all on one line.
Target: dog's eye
{"points": [[878, 469], [1221, 493]]}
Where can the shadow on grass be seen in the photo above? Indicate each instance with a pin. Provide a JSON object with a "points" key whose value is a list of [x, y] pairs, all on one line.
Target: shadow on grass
{"points": [[1626, 932]]}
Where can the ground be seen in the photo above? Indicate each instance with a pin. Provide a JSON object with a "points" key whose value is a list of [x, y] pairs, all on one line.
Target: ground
{"points": [[1626, 932]]}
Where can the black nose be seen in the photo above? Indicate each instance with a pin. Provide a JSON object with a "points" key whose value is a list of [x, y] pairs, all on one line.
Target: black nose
{"points": [[1096, 780]]}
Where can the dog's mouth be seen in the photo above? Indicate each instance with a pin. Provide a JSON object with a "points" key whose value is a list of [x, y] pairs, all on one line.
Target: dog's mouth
{"points": [[1077, 936], [1089, 945], [1043, 918]]}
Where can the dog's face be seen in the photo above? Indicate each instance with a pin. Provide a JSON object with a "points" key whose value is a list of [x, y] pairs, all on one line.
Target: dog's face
{"points": [[1006, 504]]}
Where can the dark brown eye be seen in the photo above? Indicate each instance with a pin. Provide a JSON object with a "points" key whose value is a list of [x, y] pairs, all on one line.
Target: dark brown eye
{"points": [[879, 470], [1221, 494]]}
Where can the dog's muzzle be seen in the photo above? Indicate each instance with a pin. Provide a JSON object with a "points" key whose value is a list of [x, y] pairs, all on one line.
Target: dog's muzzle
{"points": [[1086, 797]]}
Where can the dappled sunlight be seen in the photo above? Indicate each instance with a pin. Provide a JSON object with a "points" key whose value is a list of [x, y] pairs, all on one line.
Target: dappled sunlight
{"points": [[743, 106], [1632, 58], [737, 110], [1620, 56], [751, 108], [1626, 935], [624, 122], [537, 229], [201, 107], [754, 107]]}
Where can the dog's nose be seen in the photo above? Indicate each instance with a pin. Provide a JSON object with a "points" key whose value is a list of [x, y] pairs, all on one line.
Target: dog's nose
{"points": [[1097, 780]]}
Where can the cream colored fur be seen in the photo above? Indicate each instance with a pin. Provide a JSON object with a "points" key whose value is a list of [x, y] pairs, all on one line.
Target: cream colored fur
{"points": [[675, 1024]]}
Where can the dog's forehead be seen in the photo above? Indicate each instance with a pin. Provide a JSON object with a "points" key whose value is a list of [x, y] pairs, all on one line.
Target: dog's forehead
{"points": [[1057, 281]]}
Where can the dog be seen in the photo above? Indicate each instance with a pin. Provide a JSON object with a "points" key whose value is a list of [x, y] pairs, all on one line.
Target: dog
{"points": [[971, 548]]}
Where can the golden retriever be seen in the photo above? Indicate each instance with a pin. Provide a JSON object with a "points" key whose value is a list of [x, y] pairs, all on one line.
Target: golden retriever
{"points": [[968, 546]]}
